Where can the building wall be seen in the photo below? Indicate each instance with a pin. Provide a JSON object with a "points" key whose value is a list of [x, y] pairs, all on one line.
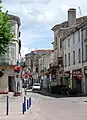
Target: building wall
{"points": [[41, 64], [10, 58], [51, 61], [28, 61], [69, 49], [46, 59]]}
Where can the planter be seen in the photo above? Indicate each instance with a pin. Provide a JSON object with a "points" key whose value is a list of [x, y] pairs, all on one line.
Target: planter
{"points": [[17, 94]]}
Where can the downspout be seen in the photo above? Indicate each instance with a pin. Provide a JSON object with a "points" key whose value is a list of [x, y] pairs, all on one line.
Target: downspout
{"points": [[83, 81]]}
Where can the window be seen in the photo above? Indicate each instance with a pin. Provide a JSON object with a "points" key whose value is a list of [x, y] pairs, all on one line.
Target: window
{"points": [[73, 38], [78, 36], [79, 55], [55, 40], [13, 29], [60, 43], [13, 50], [68, 59], [73, 57], [86, 33], [65, 60], [68, 42], [65, 44], [86, 52]]}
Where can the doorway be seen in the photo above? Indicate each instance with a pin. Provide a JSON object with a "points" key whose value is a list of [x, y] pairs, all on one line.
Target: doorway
{"points": [[10, 83]]}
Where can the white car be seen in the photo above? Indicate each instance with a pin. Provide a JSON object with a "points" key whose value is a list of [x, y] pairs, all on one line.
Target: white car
{"points": [[36, 86]]}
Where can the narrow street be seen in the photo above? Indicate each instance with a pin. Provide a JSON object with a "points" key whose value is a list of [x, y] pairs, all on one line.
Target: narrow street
{"points": [[47, 108]]}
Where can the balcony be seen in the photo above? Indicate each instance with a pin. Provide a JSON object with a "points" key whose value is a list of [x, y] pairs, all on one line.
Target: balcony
{"points": [[6, 62]]}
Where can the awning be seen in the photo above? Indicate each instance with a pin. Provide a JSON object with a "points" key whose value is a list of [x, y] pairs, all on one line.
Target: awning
{"points": [[26, 75], [17, 68]]}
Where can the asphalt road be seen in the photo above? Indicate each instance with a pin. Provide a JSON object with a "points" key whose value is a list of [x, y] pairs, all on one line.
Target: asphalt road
{"points": [[49, 108]]}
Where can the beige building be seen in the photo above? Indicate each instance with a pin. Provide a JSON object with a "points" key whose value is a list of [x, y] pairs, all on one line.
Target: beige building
{"points": [[9, 60]]}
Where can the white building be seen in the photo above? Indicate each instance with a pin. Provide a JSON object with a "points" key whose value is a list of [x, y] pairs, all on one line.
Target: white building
{"points": [[75, 53], [10, 59], [44, 64]]}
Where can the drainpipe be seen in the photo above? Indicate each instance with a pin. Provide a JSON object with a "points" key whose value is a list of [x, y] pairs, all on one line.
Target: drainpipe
{"points": [[83, 81]]}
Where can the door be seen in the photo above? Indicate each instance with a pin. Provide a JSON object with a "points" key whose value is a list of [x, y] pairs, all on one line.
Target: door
{"points": [[10, 83]]}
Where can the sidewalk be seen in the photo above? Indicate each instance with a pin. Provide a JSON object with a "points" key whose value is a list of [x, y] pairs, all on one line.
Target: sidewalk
{"points": [[15, 108]]}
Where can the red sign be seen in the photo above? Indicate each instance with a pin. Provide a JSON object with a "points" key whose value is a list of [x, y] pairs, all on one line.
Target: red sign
{"points": [[78, 74], [17, 68]]}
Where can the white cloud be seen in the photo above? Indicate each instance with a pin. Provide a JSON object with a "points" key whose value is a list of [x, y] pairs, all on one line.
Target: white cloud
{"points": [[64, 8], [24, 50], [46, 17], [39, 16]]}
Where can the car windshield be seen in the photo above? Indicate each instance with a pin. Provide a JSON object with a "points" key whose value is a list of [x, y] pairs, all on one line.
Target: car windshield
{"points": [[36, 84]]}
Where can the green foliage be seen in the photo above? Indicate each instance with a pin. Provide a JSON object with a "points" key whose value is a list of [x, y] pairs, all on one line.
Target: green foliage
{"points": [[5, 31]]}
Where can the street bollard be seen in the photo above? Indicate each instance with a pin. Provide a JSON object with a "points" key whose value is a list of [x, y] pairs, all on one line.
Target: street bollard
{"points": [[25, 104], [7, 106], [23, 108], [30, 101]]}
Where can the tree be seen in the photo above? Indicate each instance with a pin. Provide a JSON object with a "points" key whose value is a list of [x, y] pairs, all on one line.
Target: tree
{"points": [[5, 31]]}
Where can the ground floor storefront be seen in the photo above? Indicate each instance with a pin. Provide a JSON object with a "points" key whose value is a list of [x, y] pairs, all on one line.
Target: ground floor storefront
{"points": [[74, 80], [8, 80]]}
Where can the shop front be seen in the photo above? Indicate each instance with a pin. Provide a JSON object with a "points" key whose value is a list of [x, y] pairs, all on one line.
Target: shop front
{"points": [[77, 77], [67, 78], [85, 74]]}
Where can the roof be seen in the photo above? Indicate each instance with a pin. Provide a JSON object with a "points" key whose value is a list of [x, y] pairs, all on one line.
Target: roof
{"points": [[40, 51], [70, 31], [15, 18], [65, 24]]}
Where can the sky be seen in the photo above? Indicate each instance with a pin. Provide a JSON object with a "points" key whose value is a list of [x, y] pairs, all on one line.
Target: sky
{"points": [[38, 17]]}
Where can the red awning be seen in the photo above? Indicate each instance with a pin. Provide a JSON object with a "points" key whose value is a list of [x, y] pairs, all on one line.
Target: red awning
{"points": [[25, 75], [79, 77], [19, 68]]}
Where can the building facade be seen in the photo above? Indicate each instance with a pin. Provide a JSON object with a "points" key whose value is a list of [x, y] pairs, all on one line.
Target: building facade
{"points": [[9, 60], [61, 30], [75, 58]]}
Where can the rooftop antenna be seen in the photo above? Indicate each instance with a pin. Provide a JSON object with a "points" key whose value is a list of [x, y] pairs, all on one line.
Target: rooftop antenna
{"points": [[80, 11]]}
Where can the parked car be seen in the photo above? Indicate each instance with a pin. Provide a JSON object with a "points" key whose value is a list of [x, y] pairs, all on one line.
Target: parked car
{"points": [[36, 87]]}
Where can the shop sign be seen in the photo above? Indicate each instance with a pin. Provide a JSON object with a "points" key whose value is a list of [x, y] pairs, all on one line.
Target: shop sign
{"points": [[78, 74]]}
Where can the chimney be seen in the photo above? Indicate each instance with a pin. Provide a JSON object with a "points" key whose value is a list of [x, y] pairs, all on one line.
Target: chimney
{"points": [[71, 17]]}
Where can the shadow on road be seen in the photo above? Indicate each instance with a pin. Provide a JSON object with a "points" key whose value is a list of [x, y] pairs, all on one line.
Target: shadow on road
{"points": [[59, 95]]}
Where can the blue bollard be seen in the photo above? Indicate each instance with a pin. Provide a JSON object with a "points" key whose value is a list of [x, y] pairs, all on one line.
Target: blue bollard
{"points": [[25, 104], [23, 108], [30, 101], [7, 106]]}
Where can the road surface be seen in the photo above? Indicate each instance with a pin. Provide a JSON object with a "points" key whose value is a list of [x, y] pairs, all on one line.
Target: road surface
{"points": [[47, 108]]}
